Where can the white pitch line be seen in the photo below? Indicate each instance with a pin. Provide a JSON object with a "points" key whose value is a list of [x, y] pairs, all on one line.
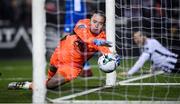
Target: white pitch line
{"points": [[104, 87], [150, 84], [80, 94], [16, 79], [141, 77], [115, 102]]}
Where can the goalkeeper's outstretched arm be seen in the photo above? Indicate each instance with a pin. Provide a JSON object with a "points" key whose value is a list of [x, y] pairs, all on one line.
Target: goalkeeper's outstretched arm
{"points": [[142, 59]]}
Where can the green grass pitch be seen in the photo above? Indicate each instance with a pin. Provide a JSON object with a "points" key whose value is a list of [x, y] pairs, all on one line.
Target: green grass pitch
{"points": [[21, 70]]}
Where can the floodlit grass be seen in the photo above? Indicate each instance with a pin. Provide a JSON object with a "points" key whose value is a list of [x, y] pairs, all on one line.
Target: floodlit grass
{"points": [[15, 70], [21, 70]]}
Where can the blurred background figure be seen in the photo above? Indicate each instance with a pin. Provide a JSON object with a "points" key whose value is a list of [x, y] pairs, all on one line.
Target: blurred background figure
{"points": [[75, 10]]}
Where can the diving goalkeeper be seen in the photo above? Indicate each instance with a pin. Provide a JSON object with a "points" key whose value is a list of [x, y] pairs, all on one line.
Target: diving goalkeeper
{"points": [[67, 61], [161, 57]]}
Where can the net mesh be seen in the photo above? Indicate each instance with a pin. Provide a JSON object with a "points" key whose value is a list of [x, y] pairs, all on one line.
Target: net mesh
{"points": [[157, 18]]}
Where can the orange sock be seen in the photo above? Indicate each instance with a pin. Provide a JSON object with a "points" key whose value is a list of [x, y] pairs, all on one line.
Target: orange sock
{"points": [[50, 74]]}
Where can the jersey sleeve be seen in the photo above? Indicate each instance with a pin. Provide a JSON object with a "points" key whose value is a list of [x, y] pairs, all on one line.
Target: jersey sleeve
{"points": [[82, 29], [142, 59], [103, 49]]}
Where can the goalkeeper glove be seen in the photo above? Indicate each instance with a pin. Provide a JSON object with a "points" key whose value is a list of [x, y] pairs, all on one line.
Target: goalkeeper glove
{"points": [[115, 57], [102, 42], [118, 59]]}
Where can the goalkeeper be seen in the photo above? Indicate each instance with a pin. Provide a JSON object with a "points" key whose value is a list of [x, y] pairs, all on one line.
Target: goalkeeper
{"points": [[67, 61], [161, 57]]}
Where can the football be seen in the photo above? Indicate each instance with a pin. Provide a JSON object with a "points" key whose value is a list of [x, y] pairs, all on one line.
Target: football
{"points": [[108, 62]]}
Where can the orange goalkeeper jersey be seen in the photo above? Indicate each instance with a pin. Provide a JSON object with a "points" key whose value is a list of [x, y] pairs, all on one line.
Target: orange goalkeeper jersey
{"points": [[77, 48], [74, 50]]}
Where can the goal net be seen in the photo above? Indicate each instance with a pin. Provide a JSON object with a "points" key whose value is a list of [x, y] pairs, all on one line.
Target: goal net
{"points": [[158, 19]]}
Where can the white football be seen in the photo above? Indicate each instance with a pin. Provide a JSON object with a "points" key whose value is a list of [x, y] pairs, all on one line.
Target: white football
{"points": [[107, 63]]}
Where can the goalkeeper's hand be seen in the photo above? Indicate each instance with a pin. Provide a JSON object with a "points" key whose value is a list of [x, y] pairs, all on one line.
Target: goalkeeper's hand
{"points": [[114, 56], [117, 58], [102, 42]]}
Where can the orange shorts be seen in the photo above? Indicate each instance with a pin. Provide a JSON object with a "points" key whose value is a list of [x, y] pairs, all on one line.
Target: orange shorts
{"points": [[68, 72], [66, 55]]}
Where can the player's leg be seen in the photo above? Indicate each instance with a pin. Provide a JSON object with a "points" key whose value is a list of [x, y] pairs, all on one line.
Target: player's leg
{"points": [[51, 71], [87, 70], [55, 81], [65, 73], [28, 85], [52, 68]]}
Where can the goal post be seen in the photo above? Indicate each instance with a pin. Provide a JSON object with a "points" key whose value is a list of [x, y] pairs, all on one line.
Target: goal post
{"points": [[38, 40], [110, 34]]}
